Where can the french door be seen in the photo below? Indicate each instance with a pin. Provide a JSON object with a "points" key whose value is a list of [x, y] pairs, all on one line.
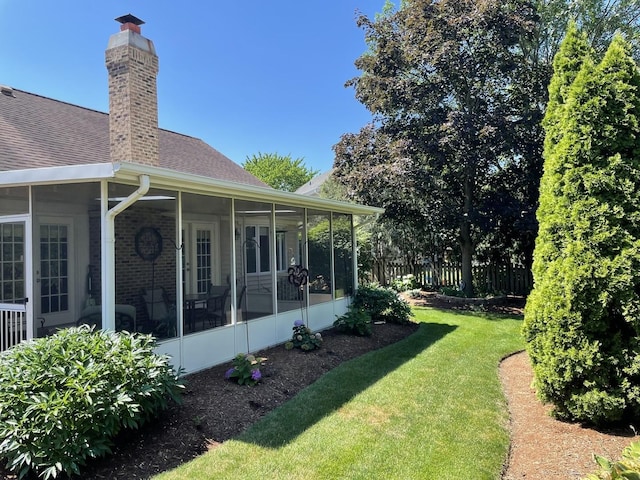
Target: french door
{"points": [[15, 281], [55, 299], [201, 257]]}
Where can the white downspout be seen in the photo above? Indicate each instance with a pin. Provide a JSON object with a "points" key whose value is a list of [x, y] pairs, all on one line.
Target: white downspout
{"points": [[109, 250]]}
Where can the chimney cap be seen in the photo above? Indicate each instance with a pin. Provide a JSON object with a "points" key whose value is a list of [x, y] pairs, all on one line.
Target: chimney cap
{"points": [[128, 18]]}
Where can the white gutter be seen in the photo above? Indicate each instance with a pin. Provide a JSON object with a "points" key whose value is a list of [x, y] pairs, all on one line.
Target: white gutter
{"points": [[108, 247], [171, 179]]}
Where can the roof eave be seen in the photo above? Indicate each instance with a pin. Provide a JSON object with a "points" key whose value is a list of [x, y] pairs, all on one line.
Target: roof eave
{"points": [[171, 179], [65, 174], [166, 178]]}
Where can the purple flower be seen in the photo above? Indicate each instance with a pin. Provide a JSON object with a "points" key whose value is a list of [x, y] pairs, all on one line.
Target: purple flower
{"points": [[256, 375], [229, 372], [298, 323]]}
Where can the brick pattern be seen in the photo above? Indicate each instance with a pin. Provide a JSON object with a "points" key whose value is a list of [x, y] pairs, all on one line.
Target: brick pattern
{"points": [[133, 273], [133, 106]]}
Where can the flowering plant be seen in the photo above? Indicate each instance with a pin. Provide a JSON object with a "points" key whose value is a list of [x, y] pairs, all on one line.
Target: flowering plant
{"points": [[245, 370], [303, 338]]}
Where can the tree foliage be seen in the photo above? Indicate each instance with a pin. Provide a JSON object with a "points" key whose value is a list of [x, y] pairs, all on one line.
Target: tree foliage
{"points": [[278, 171], [599, 20], [439, 79], [582, 320]]}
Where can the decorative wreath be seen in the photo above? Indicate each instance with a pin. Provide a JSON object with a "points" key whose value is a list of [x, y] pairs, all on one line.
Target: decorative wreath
{"points": [[298, 275], [148, 243]]}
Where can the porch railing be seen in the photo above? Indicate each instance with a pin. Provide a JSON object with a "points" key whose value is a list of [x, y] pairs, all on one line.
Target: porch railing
{"points": [[13, 324]]}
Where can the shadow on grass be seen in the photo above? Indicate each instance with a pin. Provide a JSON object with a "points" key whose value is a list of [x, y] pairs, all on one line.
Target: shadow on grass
{"points": [[478, 313], [338, 387]]}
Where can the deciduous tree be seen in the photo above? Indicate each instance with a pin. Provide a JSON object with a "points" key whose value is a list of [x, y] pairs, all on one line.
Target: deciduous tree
{"points": [[278, 171], [439, 79]]}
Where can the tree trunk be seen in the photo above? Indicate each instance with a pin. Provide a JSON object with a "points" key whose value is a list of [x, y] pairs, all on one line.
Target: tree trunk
{"points": [[466, 242], [466, 246]]}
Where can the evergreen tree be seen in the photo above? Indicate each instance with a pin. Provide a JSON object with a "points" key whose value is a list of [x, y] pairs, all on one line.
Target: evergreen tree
{"points": [[582, 321]]}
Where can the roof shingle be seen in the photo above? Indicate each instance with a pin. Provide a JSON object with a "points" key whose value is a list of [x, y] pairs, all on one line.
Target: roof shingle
{"points": [[37, 131]]}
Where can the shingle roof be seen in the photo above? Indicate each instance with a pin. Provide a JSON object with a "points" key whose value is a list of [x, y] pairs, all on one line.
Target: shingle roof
{"points": [[312, 187], [37, 131]]}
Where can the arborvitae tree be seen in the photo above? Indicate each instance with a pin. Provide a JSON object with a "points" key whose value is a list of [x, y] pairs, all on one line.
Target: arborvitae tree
{"points": [[572, 54], [566, 64], [582, 322]]}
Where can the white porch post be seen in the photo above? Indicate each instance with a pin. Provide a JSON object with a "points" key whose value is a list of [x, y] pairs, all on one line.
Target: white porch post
{"points": [[108, 249], [354, 257]]}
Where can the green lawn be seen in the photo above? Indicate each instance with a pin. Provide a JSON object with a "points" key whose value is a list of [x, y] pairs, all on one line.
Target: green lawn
{"points": [[428, 407]]}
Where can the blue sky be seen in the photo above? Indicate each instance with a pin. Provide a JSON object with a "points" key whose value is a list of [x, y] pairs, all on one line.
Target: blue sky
{"points": [[246, 77]]}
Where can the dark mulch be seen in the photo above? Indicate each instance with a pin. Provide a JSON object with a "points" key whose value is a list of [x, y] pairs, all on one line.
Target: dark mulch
{"points": [[215, 409], [512, 305]]}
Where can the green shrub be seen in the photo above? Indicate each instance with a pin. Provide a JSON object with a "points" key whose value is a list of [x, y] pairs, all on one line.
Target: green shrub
{"points": [[415, 293], [63, 398], [627, 468], [382, 304], [245, 369], [582, 319], [303, 338], [404, 283], [452, 292], [354, 322]]}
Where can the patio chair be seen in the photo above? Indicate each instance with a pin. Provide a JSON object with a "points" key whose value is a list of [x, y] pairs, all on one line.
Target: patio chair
{"points": [[216, 312], [161, 313], [125, 316]]}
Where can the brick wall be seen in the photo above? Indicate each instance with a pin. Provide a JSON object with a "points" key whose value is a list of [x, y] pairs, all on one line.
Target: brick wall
{"points": [[133, 109], [132, 272]]}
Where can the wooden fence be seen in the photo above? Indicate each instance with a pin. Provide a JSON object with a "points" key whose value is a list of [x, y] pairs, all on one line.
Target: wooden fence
{"points": [[508, 279]]}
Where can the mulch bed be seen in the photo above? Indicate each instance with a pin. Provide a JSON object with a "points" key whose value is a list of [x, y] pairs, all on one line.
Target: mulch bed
{"points": [[215, 409]]}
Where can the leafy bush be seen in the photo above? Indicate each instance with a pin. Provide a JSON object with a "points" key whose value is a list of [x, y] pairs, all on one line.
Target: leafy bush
{"points": [[627, 468], [303, 338], [382, 304], [354, 322], [63, 398], [404, 283], [415, 293], [246, 369], [582, 319], [452, 292]]}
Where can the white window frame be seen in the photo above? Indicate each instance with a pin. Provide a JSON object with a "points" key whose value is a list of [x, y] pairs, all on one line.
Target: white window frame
{"points": [[282, 260], [191, 258], [258, 249], [70, 312]]}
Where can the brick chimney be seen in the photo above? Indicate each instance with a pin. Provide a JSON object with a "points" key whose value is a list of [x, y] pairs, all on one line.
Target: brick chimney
{"points": [[133, 105]]}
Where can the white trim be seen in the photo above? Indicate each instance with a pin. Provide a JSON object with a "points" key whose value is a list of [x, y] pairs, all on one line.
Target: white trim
{"points": [[108, 244], [28, 307], [54, 318], [167, 178], [66, 174]]}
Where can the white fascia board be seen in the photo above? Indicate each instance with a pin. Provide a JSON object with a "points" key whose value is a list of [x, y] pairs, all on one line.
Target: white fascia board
{"points": [[170, 179], [50, 175]]}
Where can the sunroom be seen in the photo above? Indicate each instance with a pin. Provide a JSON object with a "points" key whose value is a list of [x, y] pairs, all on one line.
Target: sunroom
{"points": [[210, 267]]}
